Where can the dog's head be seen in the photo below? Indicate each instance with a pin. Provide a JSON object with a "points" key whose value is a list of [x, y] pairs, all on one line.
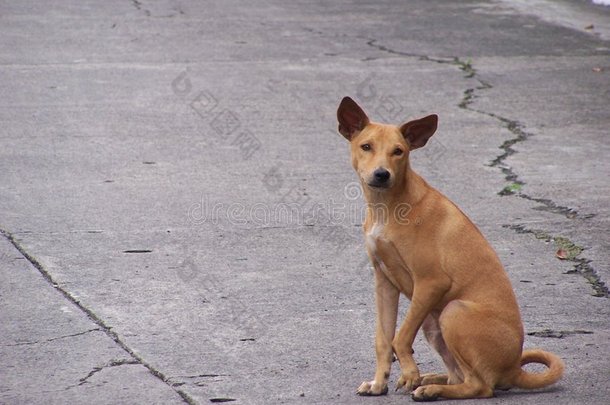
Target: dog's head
{"points": [[380, 152]]}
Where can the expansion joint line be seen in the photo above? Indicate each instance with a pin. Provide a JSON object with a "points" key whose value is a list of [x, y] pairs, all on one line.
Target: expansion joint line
{"points": [[97, 320]]}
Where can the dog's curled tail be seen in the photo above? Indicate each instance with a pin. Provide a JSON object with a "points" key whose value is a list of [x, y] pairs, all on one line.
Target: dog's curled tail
{"points": [[538, 380]]}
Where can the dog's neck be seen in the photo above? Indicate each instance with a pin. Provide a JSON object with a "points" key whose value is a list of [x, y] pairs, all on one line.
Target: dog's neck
{"points": [[385, 205]]}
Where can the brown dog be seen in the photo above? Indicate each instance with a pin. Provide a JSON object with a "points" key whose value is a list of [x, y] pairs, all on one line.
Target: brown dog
{"points": [[423, 246]]}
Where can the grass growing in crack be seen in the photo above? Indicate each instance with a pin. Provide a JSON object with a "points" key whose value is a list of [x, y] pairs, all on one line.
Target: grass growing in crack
{"points": [[572, 250], [582, 265], [467, 67], [541, 235], [512, 188]]}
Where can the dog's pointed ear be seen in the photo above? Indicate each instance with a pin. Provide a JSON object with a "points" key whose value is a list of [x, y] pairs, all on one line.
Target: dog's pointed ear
{"points": [[417, 132], [351, 118]]}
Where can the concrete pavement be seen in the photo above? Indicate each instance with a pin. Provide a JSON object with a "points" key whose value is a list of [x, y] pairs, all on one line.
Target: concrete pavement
{"points": [[179, 217]]}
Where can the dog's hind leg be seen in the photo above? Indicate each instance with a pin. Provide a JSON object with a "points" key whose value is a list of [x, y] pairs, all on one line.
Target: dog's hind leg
{"points": [[432, 332], [469, 385], [482, 353]]}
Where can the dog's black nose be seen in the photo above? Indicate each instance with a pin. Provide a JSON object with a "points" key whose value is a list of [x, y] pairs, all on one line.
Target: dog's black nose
{"points": [[381, 175]]}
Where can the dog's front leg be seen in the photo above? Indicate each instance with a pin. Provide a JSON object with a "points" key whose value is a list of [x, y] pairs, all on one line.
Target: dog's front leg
{"points": [[426, 295], [386, 300]]}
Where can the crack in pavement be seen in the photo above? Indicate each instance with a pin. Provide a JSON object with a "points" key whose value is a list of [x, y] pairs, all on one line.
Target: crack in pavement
{"points": [[582, 265], [135, 358], [112, 363], [201, 379], [559, 334], [515, 127], [53, 339]]}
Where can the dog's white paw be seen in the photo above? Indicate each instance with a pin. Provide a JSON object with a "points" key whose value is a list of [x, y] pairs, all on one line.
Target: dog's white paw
{"points": [[371, 388]]}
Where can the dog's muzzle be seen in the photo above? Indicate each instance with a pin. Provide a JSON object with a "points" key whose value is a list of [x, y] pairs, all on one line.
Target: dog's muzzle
{"points": [[381, 178]]}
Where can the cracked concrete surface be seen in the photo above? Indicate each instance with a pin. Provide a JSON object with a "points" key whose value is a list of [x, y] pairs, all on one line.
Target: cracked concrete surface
{"points": [[138, 261], [113, 363], [508, 148], [45, 363], [52, 339]]}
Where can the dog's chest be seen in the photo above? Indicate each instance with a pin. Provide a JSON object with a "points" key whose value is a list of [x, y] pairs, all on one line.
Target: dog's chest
{"points": [[372, 237], [387, 259]]}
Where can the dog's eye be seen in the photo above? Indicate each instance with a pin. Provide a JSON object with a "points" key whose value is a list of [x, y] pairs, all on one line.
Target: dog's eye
{"points": [[397, 152], [365, 147]]}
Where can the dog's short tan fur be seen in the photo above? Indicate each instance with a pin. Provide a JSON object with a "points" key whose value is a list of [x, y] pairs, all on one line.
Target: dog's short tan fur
{"points": [[423, 246]]}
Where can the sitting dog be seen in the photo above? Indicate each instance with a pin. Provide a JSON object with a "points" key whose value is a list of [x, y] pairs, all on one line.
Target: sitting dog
{"points": [[422, 245]]}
